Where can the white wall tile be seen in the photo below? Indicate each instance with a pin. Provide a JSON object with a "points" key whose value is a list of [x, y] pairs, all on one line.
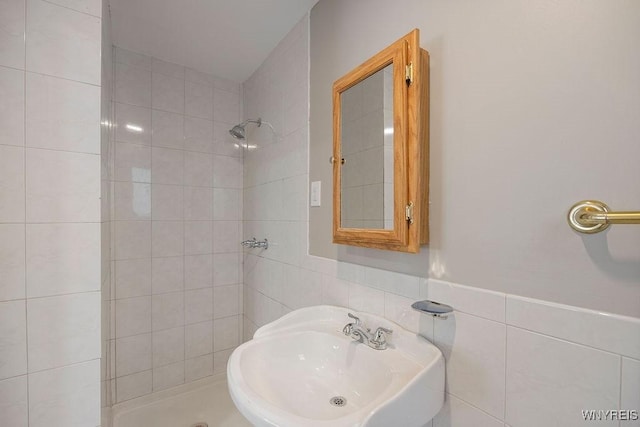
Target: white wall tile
{"points": [[220, 359], [12, 188], [294, 198], [475, 301], [225, 269], [64, 397], [133, 123], [198, 339], [198, 367], [398, 309], [226, 85], [167, 93], [226, 236], [198, 77], [132, 163], [226, 106], [62, 114], [389, 281], [133, 85], [301, 288], [267, 276], [226, 333], [168, 129], [62, 186], [474, 348], [132, 201], [124, 56], [550, 381], [198, 169], [167, 238], [227, 172], [12, 261], [167, 68], [12, 96], [14, 401], [198, 135], [226, 204], [458, 413], [132, 316], [198, 271], [167, 274], [198, 203], [13, 339], [133, 354], [63, 330], [198, 305], [92, 7], [12, 19], [168, 346], [168, 310], [132, 386], [53, 45], [168, 166], [62, 258], [168, 376], [630, 389], [198, 237], [132, 239], [226, 301], [364, 298], [167, 202], [334, 291], [618, 334], [198, 100]]}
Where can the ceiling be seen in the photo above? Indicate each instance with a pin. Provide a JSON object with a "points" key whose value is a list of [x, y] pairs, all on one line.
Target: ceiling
{"points": [[226, 38]]}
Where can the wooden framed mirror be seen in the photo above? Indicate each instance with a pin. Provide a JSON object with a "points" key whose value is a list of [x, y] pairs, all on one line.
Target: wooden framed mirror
{"points": [[380, 150]]}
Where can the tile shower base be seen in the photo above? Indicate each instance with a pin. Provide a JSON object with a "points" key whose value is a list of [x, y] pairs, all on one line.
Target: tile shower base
{"points": [[205, 401]]}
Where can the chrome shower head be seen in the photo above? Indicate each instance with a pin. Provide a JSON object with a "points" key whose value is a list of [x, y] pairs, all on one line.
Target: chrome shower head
{"points": [[238, 130]]}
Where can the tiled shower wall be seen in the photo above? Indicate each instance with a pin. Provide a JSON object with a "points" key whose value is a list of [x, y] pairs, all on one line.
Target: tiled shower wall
{"points": [[177, 213], [510, 361], [50, 275]]}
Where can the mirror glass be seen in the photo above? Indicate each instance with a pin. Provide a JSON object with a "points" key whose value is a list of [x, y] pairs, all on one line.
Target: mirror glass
{"points": [[367, 149]]}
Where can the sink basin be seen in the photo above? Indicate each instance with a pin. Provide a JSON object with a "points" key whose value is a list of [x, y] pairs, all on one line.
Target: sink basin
{"points": [[301, 370]]}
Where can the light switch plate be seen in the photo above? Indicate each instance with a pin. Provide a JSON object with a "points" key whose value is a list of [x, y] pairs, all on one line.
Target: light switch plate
{"points": [[316, 189]]}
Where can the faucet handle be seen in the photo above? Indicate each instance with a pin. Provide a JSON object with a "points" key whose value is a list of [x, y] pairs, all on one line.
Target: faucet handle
{"points": [[354, 317], [381, 334]]}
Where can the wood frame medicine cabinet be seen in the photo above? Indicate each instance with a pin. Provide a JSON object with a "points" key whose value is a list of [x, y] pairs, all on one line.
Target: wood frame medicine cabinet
{"points": [[381, 150]]}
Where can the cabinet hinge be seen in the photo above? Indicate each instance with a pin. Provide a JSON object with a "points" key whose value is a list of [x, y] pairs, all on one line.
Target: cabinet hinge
{"points": [[409, 212], [408, 73]]}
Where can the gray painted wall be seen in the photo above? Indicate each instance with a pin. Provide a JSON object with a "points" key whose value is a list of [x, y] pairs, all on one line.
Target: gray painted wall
{"points": [[533, 108]]}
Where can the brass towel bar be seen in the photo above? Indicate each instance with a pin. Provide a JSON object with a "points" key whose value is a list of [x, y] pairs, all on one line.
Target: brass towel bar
{"points": [[593, 216]]}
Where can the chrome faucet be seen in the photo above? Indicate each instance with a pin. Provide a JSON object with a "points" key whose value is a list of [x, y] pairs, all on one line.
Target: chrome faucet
{"points": [[253, 243], [356, 330]]}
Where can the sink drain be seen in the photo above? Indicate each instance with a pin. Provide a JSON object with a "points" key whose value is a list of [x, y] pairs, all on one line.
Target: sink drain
{"points": [[200, 425], [338, 401]]}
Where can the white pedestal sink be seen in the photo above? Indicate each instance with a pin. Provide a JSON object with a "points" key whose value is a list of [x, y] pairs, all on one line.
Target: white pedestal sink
{"points": [[302, 371]]}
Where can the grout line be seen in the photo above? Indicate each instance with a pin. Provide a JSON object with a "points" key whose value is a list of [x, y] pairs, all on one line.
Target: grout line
{"points": [[24, 159], [151, 223], [531, 331], [475, 407], [506, 361], [620, 387], [97, 85], [184, 236], [73, 10], [29, 147]]}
